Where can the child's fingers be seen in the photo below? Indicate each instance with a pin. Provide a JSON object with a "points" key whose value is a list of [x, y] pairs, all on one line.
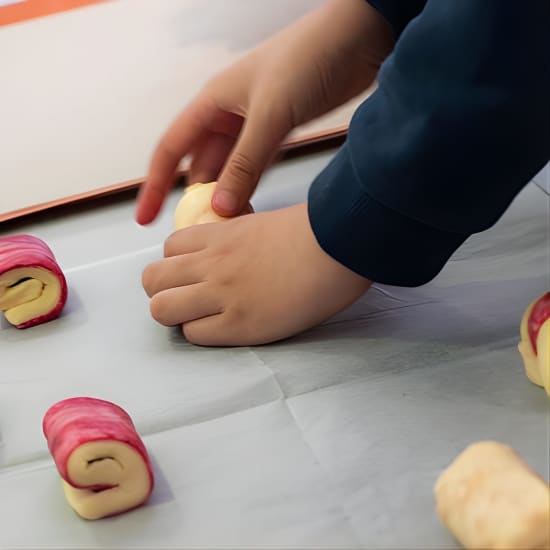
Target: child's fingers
{"points": [[218, 329], [171, 272], [173, 146], [190, 239], [209, 331], [264, 129], [209, 157], [187, 303]]}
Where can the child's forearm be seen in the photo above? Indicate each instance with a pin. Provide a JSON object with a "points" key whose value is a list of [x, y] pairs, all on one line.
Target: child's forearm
{"points": [[440, 150]]}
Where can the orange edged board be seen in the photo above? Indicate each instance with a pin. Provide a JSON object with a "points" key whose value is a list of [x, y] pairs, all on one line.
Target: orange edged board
{"points": [[24, 10], [293, 147]]}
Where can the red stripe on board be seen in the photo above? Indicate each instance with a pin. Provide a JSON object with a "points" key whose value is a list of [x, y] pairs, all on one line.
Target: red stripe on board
{"points": [[32, 9]]}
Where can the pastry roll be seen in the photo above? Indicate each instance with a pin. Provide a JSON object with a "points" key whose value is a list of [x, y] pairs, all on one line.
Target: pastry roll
{"points": [[489, 499], [103, 463], [534, 346], [195, 206], [33, 289]]}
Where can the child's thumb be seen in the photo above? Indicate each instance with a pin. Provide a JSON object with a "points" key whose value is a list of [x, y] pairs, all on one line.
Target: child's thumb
{"points": [[260, 138]]}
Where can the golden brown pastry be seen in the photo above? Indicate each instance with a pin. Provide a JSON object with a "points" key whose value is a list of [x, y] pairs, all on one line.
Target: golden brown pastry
{"points": [[490, 499]]}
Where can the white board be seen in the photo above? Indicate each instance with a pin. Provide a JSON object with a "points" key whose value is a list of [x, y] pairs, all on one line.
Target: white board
{"points": [[85, 94]]}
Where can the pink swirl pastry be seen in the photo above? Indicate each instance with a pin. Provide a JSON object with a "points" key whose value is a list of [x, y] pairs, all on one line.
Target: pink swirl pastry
{"points": [[534, 345], [103, 463], [33, 289]]}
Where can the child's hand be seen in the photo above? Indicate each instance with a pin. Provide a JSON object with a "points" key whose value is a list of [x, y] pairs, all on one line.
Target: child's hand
{"points": [[233, 128], [248, 281]]}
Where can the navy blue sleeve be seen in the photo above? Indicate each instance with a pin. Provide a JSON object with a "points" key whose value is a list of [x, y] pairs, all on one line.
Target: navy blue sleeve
{"points": [[459, 124], [398, 13]]}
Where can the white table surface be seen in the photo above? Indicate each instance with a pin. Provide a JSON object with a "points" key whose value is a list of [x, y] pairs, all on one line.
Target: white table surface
{"points": [[332, 439]]}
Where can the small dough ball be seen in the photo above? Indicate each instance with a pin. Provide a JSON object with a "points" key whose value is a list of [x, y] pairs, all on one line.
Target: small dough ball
{"points": [[490, 499], [195, 208]]}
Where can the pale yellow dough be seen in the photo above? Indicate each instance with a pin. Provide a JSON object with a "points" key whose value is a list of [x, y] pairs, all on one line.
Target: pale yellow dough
{"points": [[489, 499], [108, 463], [537, 366], [195, 206], [29, 299]]}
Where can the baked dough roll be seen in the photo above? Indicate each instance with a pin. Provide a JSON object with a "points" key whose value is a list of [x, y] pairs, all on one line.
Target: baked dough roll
{"points": [[195, 206], [489, 499], [534, 346], [103, 463], [33, 289]]}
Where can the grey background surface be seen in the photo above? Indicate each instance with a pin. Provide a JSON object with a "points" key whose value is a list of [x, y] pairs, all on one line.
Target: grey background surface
{"points": [[331, 439]]}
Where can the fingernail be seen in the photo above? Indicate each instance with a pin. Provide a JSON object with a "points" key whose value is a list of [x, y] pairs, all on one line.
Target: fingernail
{"points": [[225, 200]]}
